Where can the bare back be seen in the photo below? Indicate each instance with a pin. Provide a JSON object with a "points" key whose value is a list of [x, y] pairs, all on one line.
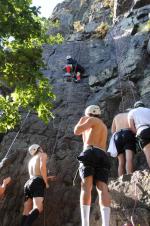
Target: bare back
{"points": [[96, 134], [34, 166], [120, 122]]}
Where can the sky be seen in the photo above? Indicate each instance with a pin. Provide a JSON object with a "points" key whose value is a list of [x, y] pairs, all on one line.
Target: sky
{"points": [[47, 6]]}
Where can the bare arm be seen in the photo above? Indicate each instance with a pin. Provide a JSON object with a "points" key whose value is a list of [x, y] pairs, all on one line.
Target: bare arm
{"points": [[2, 190], [83, 124], [43, 168], [132, 125], [6, 181]]}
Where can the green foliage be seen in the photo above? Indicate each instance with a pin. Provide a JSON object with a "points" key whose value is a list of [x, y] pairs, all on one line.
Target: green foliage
{"points": [[144, 27], [48, 24], [102, 30], [22, 34]]}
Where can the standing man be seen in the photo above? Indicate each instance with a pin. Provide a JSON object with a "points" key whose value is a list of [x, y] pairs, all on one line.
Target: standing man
{"points": [[125, 143], [34, 188], [139, 122], [94, 164], [3, 187]]}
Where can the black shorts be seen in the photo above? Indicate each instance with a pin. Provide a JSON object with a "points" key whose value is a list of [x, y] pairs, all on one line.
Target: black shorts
{"points": [[34, 187], [125, 140], [96, 164], [144, 137]]}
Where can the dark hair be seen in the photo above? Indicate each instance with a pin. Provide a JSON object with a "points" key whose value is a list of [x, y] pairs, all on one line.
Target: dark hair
{"points": [[96, 116], [38, 150]]}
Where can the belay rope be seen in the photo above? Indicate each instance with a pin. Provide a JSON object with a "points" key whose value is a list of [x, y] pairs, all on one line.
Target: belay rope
{"points": [[17, 134], [117, 47]]}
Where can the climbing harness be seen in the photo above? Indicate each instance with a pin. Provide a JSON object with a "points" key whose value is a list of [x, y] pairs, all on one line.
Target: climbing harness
{"points": [[10, 147]]}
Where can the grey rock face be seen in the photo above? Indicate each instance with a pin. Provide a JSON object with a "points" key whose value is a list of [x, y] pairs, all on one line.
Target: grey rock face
{"points": [[120, 7], [148, 47], [116, 74], [130, 200]]}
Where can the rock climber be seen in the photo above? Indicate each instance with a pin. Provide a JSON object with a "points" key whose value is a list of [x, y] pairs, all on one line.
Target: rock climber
{"points": [[125, 142], [94, 163], [73, 67], [139, 122], [34, 188]]}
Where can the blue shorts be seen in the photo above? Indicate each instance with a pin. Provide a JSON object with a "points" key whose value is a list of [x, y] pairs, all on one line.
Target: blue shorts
{"points": [[125, 140]]}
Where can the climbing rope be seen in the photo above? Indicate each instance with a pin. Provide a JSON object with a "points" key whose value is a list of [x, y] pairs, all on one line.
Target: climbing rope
{"points": [[10, 147], [118, 48], [135, 200]]}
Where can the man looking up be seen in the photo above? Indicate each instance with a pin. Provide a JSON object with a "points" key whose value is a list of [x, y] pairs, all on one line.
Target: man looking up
{"points": [[94, 164], [34, 188]]}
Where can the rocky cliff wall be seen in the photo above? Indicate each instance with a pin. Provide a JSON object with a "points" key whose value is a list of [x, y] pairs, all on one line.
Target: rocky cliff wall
{"points": [[117, 73]]}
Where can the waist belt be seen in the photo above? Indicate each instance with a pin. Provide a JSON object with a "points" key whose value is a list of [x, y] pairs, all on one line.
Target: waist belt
{"points": [[90, 147], [146, 125]]}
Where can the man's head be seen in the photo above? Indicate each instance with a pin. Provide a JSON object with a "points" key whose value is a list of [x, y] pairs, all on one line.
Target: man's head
{"points": [[139, 104], [33, 149], [68, 57], [93, 110]]}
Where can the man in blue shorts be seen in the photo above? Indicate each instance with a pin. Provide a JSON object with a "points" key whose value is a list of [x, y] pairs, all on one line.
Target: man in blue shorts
{"points": [[125, 143], [94, 164]]}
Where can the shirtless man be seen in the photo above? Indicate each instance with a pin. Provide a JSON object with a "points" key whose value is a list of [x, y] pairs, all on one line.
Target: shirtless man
{"points": [[94, 164], [139, 122], [3, 187], [125, 143], [34, 188]]}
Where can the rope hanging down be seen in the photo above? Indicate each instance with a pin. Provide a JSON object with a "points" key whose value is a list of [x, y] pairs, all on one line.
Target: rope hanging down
{"points": [[9, 149], [118, 45]]}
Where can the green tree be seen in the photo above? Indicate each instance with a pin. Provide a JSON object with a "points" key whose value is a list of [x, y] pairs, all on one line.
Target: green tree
{"points": [[22, 85]]}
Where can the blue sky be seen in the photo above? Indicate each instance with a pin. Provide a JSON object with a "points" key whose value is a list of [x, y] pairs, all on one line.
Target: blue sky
{"points": [[47, 6]]}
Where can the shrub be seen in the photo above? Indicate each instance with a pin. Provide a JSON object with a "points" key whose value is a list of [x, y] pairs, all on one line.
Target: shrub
{"points": [[101, 30], [108, 3], [78, 26]]}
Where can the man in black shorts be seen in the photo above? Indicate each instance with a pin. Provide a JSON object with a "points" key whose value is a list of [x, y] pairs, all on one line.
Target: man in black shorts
{"points": [[139, 122], [34, 188], [94, 164], [125, 143]]}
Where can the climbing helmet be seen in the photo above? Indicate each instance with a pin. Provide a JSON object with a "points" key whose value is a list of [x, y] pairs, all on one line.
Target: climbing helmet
{"points": [[139, 104], [33, 149], [93, 109]]}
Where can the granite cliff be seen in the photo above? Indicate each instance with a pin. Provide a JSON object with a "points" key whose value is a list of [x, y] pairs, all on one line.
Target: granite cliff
{"points": [[116, 60]]}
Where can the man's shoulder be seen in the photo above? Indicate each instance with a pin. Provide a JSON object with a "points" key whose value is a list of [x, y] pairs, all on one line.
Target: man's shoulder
{"points": [[43, 155], [121, 115]]}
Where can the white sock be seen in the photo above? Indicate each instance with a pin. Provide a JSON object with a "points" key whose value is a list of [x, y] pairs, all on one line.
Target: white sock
{"points": [[85, 214], [105, 214]]}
